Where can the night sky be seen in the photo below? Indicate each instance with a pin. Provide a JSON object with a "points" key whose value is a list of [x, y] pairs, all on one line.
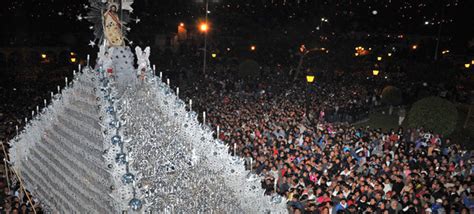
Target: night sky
{"points": [[246, 17]]}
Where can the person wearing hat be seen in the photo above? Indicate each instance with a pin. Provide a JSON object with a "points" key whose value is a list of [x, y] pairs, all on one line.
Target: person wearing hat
{"points": [[437, 207]]}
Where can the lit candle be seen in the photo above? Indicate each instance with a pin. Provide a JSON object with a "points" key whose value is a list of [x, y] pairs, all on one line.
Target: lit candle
{"points": [[59, 89], [154, 68], [177, 92], [88, 58], [45, 102], [168, 81], [16, 127], [190, 105], [204, 117], [32, 113], [65, 80], [26, 120], [37, 109], [217, 135], [52, 95], [74, 71], [79, 67], [235, 149], [161, 75], [251, 164]]}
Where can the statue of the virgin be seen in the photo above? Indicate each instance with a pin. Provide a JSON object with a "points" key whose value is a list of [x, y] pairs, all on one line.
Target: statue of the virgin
{"points": [[113, 26]]}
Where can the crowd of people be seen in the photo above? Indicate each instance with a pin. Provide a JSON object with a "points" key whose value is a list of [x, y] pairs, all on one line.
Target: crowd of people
{"points": [[301, 140], [15, 199], [318, 160], [319, 166]]}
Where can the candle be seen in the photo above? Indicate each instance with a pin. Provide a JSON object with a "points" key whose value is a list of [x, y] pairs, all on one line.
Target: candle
{"points": [[32, 113], [217, 135], [168, 81], [88, 58], [65, 80], [235, 149], [79, 67], [26, 120], [59, 89], [52, 95], [45, 103], [177, 91], [37, 109], [74, 71], [161, 75], [204, 117], [16, 127], [154, 68], [190, 105], [251, 164]]}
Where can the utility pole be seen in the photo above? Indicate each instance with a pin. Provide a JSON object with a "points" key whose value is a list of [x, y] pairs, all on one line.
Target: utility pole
{"points": [[205, 41]]}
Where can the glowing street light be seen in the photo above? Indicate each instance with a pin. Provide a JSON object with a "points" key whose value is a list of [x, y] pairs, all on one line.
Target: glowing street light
{"points": [[472, 62], [203, 27], [389, 54], [43, 56], [379, 58], [309, 78], [214, 55], [181, 24], [375, 72], [467, 65], [73, 59], [414, 47], [253, 48]]}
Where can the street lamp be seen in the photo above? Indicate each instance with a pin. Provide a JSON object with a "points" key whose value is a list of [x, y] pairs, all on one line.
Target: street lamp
{"points": [[253, 48], [467, 65], [203, 27], [379, 58], [375, 72], [309, 80]]}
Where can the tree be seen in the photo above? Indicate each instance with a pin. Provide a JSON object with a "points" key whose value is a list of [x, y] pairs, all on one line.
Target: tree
{"points": [[249, 69], [391, 96], [434, 113]]}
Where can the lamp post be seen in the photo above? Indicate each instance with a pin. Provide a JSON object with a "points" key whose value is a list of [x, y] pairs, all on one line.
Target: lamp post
{"points": [[309, 81], [204, 28]]}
